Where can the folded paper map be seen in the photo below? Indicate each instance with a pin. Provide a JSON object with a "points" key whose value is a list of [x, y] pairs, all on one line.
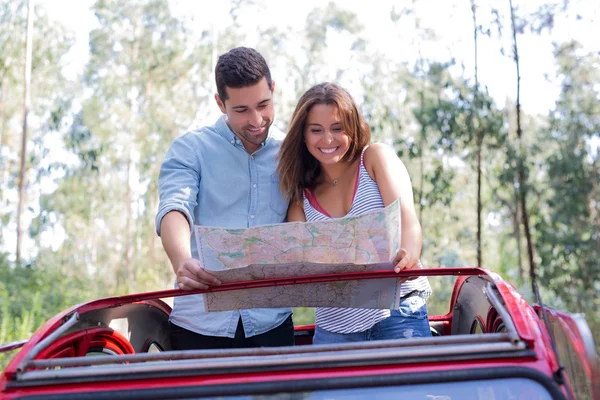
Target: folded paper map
{"points": [[339, 245]]}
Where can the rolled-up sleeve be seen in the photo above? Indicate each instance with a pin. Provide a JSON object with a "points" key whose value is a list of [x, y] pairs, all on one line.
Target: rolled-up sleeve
{"points": [[179, 180]]}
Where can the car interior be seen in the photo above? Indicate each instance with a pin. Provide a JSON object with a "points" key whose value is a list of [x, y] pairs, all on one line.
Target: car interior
{"points": [[142, 327]]}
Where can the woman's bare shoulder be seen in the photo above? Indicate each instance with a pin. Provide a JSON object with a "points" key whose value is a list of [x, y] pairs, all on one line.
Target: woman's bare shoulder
{"points": [[377, 155], [296, 212]]}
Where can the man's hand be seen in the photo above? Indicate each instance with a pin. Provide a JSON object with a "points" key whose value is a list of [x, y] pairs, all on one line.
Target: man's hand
{"points": [[191, 275], [404, 260]]}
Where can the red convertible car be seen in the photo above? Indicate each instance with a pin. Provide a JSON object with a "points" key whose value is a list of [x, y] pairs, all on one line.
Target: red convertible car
{"points": [[489, 345]]}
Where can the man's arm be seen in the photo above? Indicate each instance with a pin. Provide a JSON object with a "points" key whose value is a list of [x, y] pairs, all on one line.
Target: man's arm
{"points": [[178, 190], [175, 236]]}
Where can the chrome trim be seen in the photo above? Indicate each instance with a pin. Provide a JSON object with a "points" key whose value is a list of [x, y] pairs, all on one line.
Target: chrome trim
{"points": [[12, 345], [269, 351], [499, 306], [229, 364], [42, 344]]}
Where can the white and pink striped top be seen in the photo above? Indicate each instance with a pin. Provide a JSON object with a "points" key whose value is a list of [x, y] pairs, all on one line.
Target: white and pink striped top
{"points": [[350, 320]]}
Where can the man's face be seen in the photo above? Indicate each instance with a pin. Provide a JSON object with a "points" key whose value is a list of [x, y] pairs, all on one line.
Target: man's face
{"points": [[249, 112]]}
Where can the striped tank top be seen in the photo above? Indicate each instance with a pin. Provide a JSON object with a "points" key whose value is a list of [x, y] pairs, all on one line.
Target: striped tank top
{"points": [[350, 320]]}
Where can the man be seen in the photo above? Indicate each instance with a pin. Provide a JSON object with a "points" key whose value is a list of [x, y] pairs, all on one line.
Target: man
{"points": [[223, 175]]}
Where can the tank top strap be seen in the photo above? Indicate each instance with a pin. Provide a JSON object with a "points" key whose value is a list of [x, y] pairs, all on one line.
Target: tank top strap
{"points": [[362, 157]]}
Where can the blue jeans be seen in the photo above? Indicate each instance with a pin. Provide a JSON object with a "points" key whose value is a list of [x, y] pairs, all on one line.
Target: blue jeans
{"points": [[410, 320]]}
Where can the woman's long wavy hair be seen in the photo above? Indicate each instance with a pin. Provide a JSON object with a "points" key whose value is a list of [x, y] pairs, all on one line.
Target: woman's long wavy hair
{"points": [[297, 168]]}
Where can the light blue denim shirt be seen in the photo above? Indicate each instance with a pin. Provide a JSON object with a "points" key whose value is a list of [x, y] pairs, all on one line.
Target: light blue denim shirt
{"points": [[208, 175]]}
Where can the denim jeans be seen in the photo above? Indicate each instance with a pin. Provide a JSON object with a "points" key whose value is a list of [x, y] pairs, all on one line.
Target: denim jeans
{"points": [[410, 320]]}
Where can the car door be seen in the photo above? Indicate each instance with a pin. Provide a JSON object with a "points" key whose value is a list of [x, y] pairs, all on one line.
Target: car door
{"points": [[577, 352]]}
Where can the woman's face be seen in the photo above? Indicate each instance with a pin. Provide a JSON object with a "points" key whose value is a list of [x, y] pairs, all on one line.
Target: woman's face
{"points": [[324, 135]]}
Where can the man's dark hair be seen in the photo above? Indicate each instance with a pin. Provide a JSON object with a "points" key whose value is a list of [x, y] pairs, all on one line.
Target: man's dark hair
{"points": [[240, 67]]}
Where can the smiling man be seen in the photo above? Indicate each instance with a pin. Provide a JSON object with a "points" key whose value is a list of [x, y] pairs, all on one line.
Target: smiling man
{"points": [[223, 175]]}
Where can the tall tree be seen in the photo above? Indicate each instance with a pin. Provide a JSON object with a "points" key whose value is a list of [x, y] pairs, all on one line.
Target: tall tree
{"points": [[522, 179], [47, 89], [411, 88], [147, 79], [450, 150], [509, 171], [9, 63], [568, 230], [26, 106], [11, 70], [474, 125], [422, 136]]}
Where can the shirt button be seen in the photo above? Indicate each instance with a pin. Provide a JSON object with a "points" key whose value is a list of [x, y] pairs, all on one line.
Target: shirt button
{"points": [[252, 217], [254, 186], [232, 141], [252, 157]]}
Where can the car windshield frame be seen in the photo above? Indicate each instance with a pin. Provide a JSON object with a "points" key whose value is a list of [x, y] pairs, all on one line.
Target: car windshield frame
{"points": [[296, 388]]}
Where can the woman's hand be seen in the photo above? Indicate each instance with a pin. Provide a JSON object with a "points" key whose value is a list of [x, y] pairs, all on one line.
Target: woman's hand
{"points": [[404, 260]]}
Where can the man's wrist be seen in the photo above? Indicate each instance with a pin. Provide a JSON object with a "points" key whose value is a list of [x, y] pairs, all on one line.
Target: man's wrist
{"points": [[178, 262]]}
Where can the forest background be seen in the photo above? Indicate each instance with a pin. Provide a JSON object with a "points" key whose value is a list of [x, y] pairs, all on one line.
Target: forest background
{"points": [[494, 106]]}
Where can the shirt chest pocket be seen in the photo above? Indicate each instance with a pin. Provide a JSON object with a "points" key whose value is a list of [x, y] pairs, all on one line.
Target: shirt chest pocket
{"points": [[276, 201]]}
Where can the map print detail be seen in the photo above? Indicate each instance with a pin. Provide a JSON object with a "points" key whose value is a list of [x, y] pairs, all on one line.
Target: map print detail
{"points": [[354, 243], [373, 293]]}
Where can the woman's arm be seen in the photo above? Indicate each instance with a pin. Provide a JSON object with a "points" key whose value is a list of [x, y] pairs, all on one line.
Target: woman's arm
{"points": [[393, 181]]}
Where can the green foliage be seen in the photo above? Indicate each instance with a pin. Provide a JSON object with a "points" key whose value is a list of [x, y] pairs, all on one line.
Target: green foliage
{"points": [[441, 156], [27, 299], [568, 228], [304, 316]]}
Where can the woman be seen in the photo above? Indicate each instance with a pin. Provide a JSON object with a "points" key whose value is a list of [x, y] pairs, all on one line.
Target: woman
{"points": [[328, 170]]}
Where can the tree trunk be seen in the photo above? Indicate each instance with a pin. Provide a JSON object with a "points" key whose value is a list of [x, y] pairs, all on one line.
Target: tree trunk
{"points": [[3, 85], [595, 201], [214, 57], [517, 231], [92, 243], [26, 105], [476, 129], [2, 118], [422, 138], [131, 145], [3, 162], [129, 227], [521, 167], [479, 207], [421, 181], [512, 204], [152, 245], [595, 212]]}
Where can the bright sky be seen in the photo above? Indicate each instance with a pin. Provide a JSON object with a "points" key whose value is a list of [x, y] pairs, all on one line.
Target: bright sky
{"points": [[451, 20]]}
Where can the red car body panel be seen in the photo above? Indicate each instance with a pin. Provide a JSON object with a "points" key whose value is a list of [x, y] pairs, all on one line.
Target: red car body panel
{"points": [[528, 342]]}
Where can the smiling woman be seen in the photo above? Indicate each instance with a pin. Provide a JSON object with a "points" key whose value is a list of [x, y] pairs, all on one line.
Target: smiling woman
{"points": [[328, 170], [325, 136], [326, 121]]}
